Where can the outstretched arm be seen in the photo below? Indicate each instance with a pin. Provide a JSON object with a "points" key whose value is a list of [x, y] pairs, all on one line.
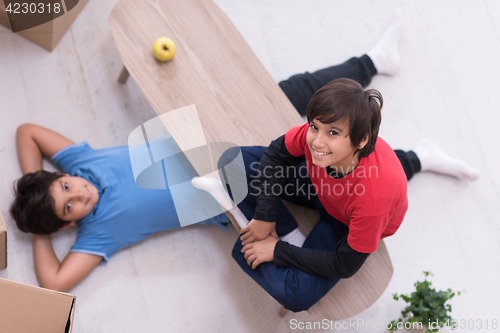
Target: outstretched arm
{"points": [[58, 276], [34, 142]]}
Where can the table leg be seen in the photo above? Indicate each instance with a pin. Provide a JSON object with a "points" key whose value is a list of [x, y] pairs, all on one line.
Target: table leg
{"points": [[233, 222], [124, 74], [283, 311]]}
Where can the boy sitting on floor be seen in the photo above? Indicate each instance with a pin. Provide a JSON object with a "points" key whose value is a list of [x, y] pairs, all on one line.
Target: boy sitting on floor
{"points": [[336, 164]]}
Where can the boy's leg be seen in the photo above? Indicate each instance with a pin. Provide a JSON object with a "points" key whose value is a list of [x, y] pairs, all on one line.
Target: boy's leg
{"points": [[241, 181], [301, 87], [232, 177], [427, 156], [385, 55], [297, 187], [381, 59], [410, 162], [293, 288]]}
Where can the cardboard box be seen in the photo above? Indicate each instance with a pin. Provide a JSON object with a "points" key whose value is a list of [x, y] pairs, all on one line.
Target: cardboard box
{"points": [[3, 243], [4, 19], [25, 308], [48, 34]]}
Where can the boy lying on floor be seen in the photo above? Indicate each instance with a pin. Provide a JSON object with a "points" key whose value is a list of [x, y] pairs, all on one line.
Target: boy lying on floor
{"points": [[97, 192]]}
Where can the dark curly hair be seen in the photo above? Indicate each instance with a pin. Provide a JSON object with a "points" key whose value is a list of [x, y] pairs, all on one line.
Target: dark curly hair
{"points": [[346, 99], [33, 207]]}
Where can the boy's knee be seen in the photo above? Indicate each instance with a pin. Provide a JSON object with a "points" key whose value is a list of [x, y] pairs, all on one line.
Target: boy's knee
{"points": [[228, 156], [227, 168], [304, 290]]}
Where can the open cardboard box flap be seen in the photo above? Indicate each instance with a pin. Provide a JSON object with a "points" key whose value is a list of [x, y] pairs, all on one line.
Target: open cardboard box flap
{"points": [[25, 308], [4, 18]]}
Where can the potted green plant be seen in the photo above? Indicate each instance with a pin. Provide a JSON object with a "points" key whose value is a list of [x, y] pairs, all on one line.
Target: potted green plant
{"points": [[427, 308]]}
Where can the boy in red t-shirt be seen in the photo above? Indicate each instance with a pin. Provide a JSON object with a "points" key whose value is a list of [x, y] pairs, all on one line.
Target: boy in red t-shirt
{"points": [[336, 164]]}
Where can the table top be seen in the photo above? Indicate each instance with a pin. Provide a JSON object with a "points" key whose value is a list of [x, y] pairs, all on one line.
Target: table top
{"points": [[214, 69]]}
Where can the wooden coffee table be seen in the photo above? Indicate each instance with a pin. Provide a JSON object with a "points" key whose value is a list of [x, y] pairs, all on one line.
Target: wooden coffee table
{"points": [[236, 99]]}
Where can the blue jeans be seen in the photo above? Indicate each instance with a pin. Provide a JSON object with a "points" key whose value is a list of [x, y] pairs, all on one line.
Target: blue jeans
{"points": [[293, 288]]}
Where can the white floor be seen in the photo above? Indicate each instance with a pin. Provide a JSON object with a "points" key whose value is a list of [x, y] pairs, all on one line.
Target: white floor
{"points": [[185, 280]]}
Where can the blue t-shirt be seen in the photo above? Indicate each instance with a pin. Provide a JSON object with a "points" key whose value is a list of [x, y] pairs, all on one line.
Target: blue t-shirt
{"points": [[125, 213]]}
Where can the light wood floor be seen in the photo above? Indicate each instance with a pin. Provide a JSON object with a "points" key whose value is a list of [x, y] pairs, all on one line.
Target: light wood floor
{"points": [[185, 280]]}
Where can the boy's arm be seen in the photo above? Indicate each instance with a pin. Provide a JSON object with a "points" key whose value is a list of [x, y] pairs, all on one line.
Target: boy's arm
{"points": [[34, 142], [58, 276], [275, 159], [341, 263], [364, 235]]}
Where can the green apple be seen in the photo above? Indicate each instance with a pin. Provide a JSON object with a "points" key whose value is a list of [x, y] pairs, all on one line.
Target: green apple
{"points": [[164, 49]]}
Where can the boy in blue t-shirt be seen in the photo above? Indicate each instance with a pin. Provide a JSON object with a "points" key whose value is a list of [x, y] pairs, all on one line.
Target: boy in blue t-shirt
{"points": [[96, 191]]}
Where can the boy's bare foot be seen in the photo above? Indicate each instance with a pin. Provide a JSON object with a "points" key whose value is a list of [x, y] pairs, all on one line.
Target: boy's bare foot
{"points": [[432, 158], [385, 55]]}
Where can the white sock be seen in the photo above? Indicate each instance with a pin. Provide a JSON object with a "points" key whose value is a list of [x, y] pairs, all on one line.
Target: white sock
{"points": [[432, 158], [215, 188], [294, 237], [385, 55]]}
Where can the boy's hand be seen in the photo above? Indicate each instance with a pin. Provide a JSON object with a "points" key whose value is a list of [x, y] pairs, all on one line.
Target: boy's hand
{"points": [[262, 251], [257, 230]]}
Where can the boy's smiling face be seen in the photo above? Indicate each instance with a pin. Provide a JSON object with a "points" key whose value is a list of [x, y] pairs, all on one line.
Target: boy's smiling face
{"points": [[330, 145], [74, 197]]}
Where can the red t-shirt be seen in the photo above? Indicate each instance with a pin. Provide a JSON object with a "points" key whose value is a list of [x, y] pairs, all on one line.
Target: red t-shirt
{"points": [[371, 200]]}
